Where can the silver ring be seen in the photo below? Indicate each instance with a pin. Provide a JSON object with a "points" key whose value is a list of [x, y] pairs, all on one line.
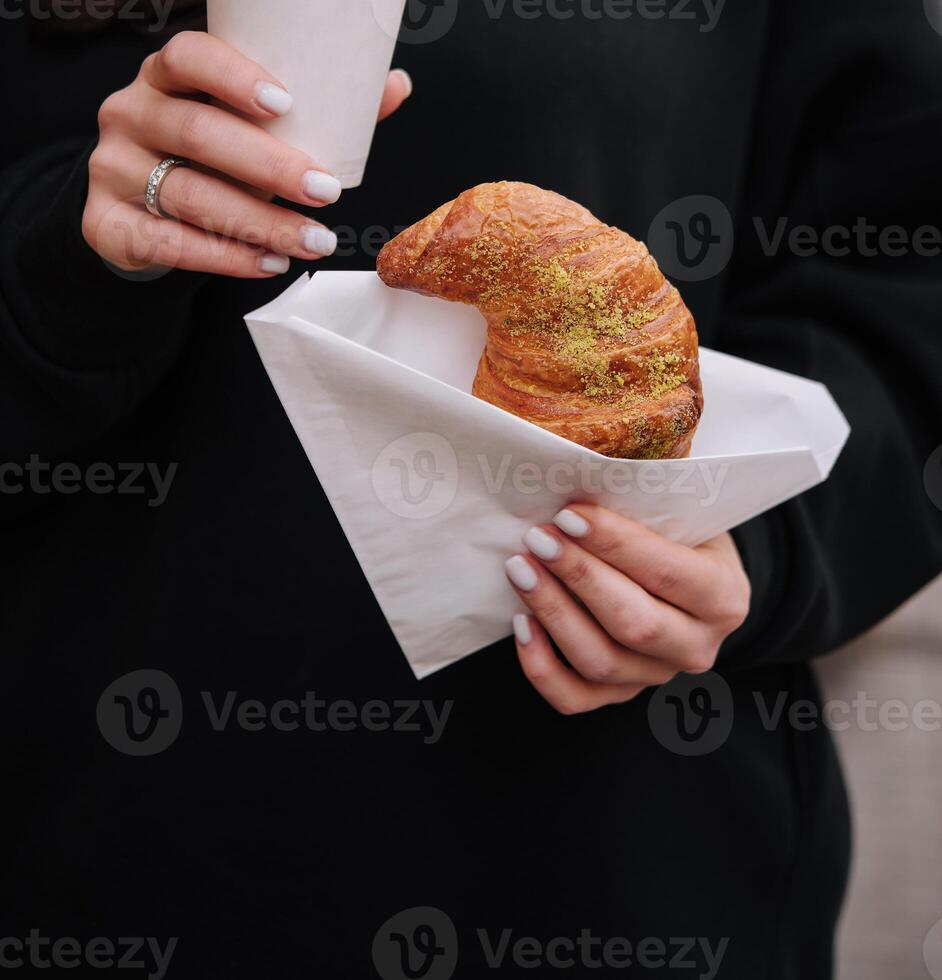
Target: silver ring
{"points": [[155, 182]]}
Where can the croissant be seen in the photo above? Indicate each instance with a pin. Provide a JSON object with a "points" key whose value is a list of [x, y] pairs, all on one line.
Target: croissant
{"points": [[585, 336]]}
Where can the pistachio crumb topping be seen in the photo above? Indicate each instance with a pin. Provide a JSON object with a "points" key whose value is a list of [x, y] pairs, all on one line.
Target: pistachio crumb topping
{"points": [[585, 321]]}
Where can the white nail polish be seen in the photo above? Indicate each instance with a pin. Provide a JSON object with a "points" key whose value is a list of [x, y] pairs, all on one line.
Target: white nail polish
{"points": [[271, 263], [273, 99], [321, 187], [522, 629], [572, 524], [318, 241], [521, 573], [542, 544]]}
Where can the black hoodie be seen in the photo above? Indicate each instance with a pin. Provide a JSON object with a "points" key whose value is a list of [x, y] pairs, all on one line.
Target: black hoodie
{"points": [[274, 851]]}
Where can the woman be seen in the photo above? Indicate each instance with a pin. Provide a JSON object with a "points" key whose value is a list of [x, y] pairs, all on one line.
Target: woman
{"points": [[494, 794]]}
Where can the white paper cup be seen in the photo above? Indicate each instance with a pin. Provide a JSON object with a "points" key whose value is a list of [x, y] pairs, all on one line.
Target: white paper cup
{"points": [[333, 56]]}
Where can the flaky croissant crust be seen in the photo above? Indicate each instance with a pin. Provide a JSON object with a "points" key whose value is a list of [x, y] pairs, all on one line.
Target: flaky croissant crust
{"points": [[586, 338]]}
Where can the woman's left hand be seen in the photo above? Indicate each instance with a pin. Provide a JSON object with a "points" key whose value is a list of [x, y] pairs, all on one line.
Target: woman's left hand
{"points": [[627, 608]]}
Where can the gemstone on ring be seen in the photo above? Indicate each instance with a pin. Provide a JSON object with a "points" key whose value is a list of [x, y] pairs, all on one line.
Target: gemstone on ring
{"points": [[157, 177]]}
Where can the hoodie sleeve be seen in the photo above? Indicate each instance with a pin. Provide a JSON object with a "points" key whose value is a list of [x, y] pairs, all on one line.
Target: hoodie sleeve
{"points": [[81, 343], [854, 147]]}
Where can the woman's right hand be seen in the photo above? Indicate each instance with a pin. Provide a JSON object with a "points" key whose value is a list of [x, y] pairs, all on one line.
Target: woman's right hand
{"points": [[225, 221]]}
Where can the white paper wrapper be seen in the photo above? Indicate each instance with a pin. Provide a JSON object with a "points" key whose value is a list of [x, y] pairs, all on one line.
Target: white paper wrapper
{"points": [[435, 488], [333, 56]]}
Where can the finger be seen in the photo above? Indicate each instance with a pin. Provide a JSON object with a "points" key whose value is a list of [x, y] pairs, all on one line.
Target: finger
{"points": [[131, 239], [398, 89], [194, 62], [583, 642], [683, 576], [232, 146], [628, 613], [561, 687], [215, 205]]}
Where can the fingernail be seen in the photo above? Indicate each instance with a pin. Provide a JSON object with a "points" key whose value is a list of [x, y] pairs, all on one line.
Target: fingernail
{"points": [[272, 263], [570, 522], [543, 545], [321, 187], [521, 573], [273, 99], [406, 77], [318, 241], [522, 629]]}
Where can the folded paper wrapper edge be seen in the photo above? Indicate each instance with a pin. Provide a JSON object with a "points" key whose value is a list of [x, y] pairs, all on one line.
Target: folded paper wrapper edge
{"points": [[422, 642]]}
